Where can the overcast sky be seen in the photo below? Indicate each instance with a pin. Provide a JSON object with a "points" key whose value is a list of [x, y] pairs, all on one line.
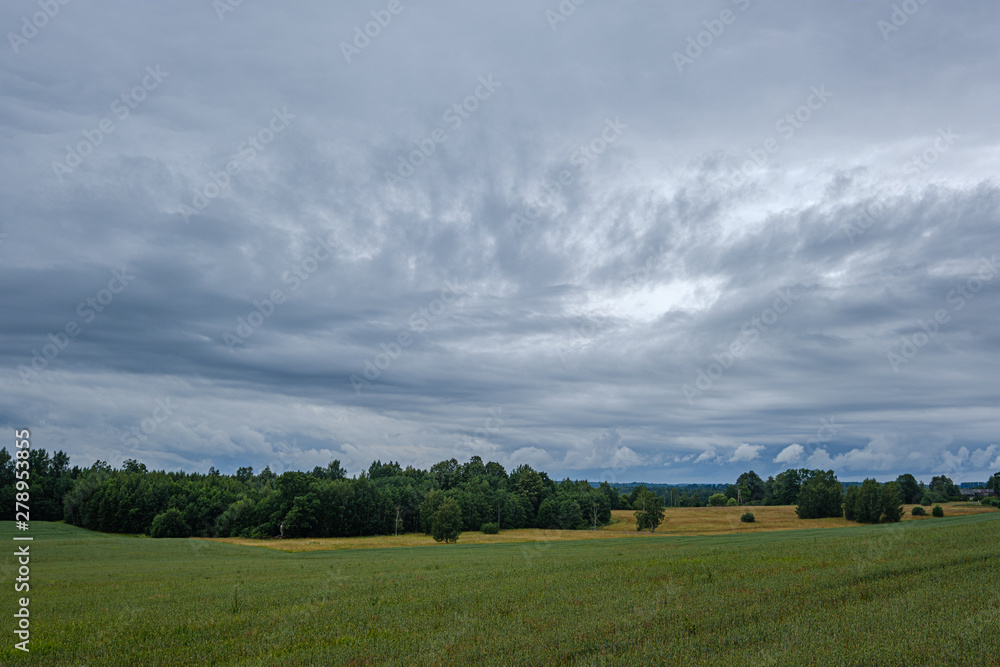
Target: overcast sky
{"points": [[665, 242]]}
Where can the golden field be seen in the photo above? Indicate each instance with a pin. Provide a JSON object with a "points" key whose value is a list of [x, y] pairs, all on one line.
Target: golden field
{"points": [[679, 521]]}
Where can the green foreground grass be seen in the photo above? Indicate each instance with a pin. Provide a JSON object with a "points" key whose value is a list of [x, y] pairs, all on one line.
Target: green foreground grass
{"points": [[917, 593]]}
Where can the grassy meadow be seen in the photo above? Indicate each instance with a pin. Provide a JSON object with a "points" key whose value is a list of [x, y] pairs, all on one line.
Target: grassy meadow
{"points": [[921, 592]]}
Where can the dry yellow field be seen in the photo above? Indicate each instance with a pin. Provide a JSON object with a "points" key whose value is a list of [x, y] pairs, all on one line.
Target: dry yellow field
{"points": [[676, 521], [722, 520]]}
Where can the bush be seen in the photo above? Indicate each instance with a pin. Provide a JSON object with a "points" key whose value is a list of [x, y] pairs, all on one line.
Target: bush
{"points": [[170, 524], [491, 528], [918, 511], [925, 501], [732, 502], [747, 517], [937, 511], [717, 500]]}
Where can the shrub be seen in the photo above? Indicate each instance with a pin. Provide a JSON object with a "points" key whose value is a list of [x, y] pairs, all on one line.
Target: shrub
{"points": [[937, 511], [491, 528], [717, 500], [925, 501], [732, 502], [170, 524], [747, 517], [918, 511]]}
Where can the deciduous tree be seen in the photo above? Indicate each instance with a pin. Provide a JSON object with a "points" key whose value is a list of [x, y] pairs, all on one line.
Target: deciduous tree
{"points": [[649, 511], [446, 524]]}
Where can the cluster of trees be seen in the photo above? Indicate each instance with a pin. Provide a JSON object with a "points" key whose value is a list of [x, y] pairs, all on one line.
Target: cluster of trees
{"points": [[874, 503], [821, 489], [386, 499], [50, 477]]}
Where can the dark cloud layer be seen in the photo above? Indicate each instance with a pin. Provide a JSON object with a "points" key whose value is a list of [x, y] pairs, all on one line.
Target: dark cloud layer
{"points": [[660, 243]]}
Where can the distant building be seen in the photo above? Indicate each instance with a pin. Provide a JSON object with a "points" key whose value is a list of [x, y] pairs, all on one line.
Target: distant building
{"points": [[977, 493]]}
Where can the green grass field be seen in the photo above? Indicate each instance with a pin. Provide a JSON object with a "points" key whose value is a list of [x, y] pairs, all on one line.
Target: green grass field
{"points": [[916, 593]]}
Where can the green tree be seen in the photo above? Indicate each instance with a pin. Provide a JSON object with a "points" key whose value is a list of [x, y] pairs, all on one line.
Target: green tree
{"points": [[785, 490], [870, 502], [944, 487], [851, 503], [648, 511], [718, 500], [548, 514], [751, 487], [446, 473], [994, 483], [820, 495], [170, 524], [732, 502], [909, 489], [446, 524], [569, 514], [892, 508]]}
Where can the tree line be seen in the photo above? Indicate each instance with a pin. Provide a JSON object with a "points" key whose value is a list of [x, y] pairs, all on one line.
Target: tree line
{"points": [[448, 498], [386, 499]]}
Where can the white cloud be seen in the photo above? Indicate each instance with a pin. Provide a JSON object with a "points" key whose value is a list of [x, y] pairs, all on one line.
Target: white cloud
{"points": [[707, 455], [981, 457], [624, 457], [538, 459], [820, 459], [790, 454], [953, 462], [746, 452]]}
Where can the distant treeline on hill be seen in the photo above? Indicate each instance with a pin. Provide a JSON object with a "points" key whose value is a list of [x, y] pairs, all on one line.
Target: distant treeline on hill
{"points": [[385, 499]]}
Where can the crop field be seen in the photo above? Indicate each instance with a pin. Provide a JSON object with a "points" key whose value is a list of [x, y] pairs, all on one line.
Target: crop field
{"points": [[677, 521], [723, 520], [916, 593]]}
